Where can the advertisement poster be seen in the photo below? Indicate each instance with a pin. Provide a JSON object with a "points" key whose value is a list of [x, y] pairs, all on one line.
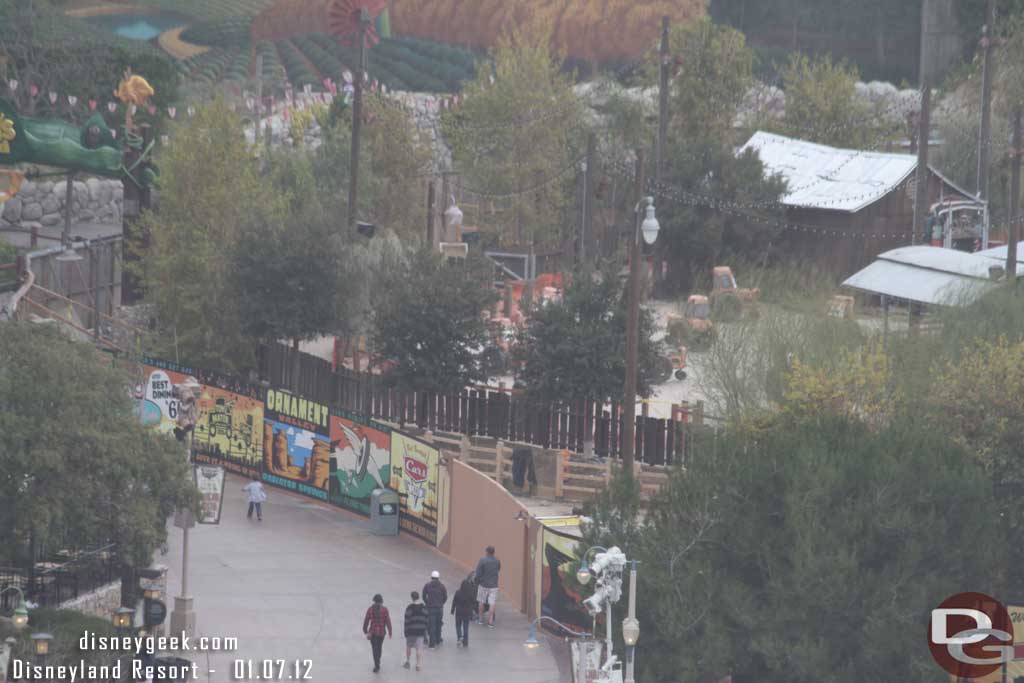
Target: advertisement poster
{"points": [[229, 430], [360, 461], [152, 392], [414, 476], [560, 600], [210, 482], [296, 443]]}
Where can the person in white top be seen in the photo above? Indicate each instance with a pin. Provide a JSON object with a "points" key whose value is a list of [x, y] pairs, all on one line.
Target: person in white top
{"points": [[256, 497]]}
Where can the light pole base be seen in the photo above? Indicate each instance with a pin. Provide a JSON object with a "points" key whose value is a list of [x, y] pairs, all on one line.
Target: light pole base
{"points": [[183, 619]]}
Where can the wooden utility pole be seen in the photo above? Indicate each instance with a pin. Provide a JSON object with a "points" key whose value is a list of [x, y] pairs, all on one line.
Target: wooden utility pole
{"points": [[588, 202], [988, 66], [921, 197], [1012, 228], [431, 240], [632, 327], [659, 161], [258, 75], [357, 123]]}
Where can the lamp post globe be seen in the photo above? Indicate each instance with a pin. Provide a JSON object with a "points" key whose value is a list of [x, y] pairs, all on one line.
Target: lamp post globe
{"points": [[630, 631], [41, 644], [650, 227], [583, 574], [20, 617], [453, 216]]}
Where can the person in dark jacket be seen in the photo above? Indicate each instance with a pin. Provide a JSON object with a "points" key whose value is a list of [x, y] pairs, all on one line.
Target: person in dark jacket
{"points": [[464, 608], [415, 628], [377, 624], [434, 597]]}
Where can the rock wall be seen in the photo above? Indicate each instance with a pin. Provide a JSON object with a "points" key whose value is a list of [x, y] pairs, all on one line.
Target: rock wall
{"points": [[97, 603], [94, 201]]}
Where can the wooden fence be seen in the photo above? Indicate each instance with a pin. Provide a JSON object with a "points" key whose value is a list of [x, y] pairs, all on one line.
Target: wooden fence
{"points": [[482, 412]]}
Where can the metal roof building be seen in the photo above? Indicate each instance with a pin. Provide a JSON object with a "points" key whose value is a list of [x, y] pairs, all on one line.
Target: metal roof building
{"points": [[927, 275], [846, 206]]}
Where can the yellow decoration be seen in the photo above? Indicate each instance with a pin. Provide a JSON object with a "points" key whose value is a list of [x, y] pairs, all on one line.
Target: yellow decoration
{"points": [[133, 89], [13, 183], [7, 133]]}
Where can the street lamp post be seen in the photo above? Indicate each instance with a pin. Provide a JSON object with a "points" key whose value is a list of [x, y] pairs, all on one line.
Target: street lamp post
{"points": [[631, 625], [648, 227], [41, 646], [20, 617]]}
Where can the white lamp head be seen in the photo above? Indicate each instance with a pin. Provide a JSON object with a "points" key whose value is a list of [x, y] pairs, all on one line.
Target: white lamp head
{"points": [[650, 226]]}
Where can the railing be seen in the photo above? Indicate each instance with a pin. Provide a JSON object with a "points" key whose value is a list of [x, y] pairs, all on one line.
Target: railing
{"points": [[482, 412], [58, 581]]}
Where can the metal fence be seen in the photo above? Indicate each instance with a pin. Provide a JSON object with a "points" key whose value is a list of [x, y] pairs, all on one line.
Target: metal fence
{"points": [[63, 577]]}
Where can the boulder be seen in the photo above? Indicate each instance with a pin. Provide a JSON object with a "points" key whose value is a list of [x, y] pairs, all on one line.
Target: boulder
{"points": [[12, 210], [52, 219], [95, 186], [51, 204], [32, 212], [44, 187]]}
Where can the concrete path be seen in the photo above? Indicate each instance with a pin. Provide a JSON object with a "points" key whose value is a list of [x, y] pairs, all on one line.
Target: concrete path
{"points": [[297, 584]]}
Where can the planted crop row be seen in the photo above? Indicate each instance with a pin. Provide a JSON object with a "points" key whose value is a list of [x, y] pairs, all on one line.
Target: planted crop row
{"points": [[273, 70], [455, 56], [436, 74], [211, 10], [209, 66], [238, 69], [350, 57], [328, 65], [299, 72], [232, 32]]}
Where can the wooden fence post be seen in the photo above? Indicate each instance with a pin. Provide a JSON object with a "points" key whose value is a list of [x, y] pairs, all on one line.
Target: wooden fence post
{"points": [[559, 472], [499, 461], [607, 472], [698, 414], [464, 445]]}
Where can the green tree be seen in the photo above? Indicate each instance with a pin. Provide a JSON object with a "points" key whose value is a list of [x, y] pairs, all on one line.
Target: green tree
{"points": [[822, 105], [714, 205], [296, 279], [575, 349], [428, 319], [807, 551], [211, 199], [77, 468], [516, 136]]}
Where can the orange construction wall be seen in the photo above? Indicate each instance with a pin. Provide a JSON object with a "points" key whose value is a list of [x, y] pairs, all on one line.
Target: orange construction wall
{"points": [[483, 513]]}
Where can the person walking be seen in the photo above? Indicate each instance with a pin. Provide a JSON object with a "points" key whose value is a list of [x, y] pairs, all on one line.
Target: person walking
{"points": [[464, 607], [415, 628], [434, 597], [376, 624], [256, 498], [487, 570]]}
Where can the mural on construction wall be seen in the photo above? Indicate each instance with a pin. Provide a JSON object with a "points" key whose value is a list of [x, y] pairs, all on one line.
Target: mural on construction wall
{"points": [[559, 598], [229, 430], [360, 460], [414, 476], [296, 443]]}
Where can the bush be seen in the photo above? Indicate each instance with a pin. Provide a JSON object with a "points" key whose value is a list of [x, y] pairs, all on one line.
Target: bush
{"points": [[8, 254], [67, 627], [682, 333], [727, 308]]}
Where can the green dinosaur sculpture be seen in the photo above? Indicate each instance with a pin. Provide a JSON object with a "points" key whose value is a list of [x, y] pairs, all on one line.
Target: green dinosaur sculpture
{"points": [[51, 142]]}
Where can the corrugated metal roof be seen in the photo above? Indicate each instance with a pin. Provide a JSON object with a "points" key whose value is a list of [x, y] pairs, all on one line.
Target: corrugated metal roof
{"points": [[929, 275], [825, 177], [901, 281], [999, 253]]}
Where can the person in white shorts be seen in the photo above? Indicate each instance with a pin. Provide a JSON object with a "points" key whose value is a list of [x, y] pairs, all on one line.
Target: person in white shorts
{"points": [[487, 570]]}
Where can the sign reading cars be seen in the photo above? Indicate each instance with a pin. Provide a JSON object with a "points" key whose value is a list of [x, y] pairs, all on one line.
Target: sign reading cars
{"points": [[416, 470]]}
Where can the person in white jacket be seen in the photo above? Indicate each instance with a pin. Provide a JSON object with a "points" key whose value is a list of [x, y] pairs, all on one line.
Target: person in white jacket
{"points": [[256, 497]]}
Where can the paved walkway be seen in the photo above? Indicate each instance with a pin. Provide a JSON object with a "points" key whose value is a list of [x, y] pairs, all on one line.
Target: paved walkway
{"points": [[297, 584]]}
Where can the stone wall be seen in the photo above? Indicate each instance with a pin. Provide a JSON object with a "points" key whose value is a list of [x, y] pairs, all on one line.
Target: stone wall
{"points": [[97, 603], [94, 201]]}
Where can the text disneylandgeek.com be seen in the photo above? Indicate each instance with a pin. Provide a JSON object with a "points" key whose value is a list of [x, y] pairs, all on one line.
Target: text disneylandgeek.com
{"points": [[138, 662]]}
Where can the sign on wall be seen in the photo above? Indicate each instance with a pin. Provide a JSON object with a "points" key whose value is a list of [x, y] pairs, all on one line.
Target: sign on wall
{"points": [[229, 430], [559, 599], [296, 443], [414, 476], [210, 482], [360, 461]]}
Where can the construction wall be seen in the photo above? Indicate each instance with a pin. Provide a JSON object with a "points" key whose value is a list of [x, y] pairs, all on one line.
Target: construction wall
{"points": [[485, 514]]}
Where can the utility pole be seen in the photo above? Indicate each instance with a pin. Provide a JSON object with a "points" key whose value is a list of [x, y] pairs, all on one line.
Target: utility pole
{"points": [[357, 121], [1011, 230], [985, 135], [921, 197], [632, 327], [659, 161], [259, 97], [430, 216], [588, 190]]}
